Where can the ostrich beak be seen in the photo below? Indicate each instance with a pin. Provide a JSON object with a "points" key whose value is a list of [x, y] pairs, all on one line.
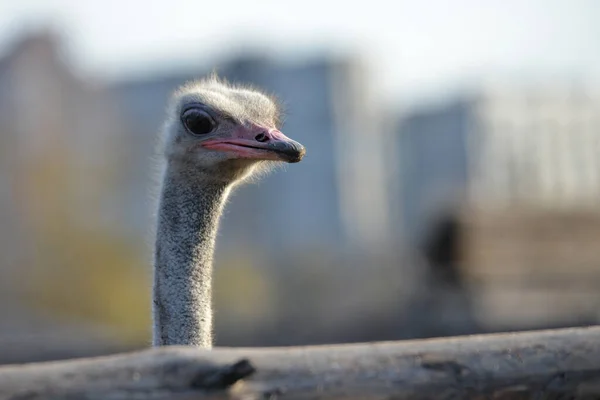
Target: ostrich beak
{"points": [[289, 150], [260, 144]]}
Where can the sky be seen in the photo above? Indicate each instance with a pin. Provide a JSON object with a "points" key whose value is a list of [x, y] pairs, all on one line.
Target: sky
{"points": [[410, 47]]}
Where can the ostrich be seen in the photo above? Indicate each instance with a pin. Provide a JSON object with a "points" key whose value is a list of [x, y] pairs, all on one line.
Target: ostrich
{"points": [[216, 136]]}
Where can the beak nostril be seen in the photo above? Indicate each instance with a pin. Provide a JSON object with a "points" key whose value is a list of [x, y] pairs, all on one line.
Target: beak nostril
{"points": [[261, 137]]}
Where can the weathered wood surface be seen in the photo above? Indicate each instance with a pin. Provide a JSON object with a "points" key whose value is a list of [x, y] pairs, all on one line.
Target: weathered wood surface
{"points": [[558, 364]]}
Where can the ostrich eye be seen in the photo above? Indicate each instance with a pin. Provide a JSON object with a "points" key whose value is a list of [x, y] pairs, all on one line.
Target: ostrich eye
{"points": [[198, 122]]}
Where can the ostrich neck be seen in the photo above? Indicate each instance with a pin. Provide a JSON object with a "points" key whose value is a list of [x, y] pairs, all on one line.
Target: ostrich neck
{"points": [[188, 219]]}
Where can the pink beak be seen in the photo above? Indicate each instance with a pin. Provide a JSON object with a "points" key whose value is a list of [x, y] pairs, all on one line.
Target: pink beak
{"points": [[259, 143]]}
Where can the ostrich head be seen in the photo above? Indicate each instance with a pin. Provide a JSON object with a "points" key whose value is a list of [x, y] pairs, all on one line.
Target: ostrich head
{"points": [[223, 132]]}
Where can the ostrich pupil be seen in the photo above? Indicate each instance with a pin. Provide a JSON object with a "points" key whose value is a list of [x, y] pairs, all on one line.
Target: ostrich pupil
{"points": [[198, 123]]}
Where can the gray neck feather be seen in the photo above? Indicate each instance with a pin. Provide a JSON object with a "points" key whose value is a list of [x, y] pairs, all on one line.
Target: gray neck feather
{"points": [[188, 218]]}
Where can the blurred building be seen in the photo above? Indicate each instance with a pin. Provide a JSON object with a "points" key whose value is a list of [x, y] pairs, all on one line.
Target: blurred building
{"points": [[433, 159], [50, 121], [538, 147], [503, 147], [516, 173]]}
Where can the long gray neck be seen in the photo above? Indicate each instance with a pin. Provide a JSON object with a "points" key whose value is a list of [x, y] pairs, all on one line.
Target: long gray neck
{"points": [[188, 218]]}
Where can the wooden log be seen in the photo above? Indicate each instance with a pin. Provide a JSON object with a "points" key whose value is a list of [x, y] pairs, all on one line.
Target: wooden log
{"points": [[554, 364]]}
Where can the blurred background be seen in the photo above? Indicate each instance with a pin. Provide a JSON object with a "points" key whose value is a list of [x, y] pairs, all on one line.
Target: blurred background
{"points": [[451, 184]]}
